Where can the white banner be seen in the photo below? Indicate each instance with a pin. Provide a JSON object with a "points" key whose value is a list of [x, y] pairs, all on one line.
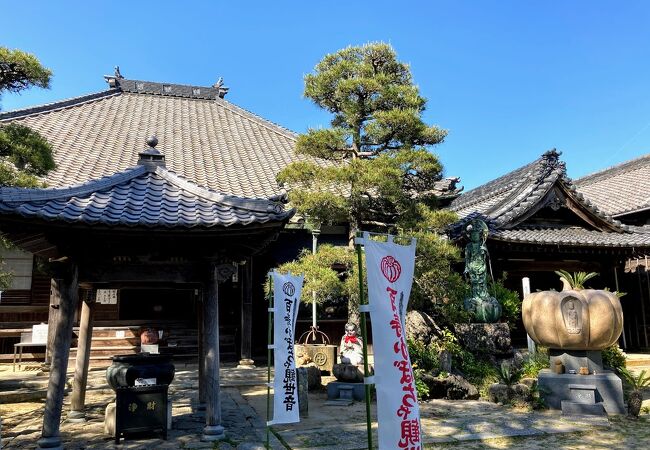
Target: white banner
{"points": [[389, 270], [286, 298]]}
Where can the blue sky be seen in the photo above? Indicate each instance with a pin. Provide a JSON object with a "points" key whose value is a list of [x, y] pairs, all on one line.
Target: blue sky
{"points": [[508, 79]]}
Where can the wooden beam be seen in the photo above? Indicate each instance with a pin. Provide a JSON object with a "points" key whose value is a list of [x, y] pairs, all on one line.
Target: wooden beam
{"points": [[67, 289]]}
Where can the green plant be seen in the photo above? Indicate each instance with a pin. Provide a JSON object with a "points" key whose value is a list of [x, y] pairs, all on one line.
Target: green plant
{"points": [[420, 385], [423, 356], [508, 373], [537, 397], [575, 280], [478, 371], [614, 358], [634, 385], [535, 362], [509, 300], [636, 382]]}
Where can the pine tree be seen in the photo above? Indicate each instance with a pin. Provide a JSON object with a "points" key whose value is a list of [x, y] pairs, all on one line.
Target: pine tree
{"points": [[24, 154], [378, 169]]}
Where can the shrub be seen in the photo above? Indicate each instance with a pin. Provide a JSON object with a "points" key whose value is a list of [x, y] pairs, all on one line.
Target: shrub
{"points": [[509, 300], [535, 362], [614, 358], [509, 374], [424, 357]]}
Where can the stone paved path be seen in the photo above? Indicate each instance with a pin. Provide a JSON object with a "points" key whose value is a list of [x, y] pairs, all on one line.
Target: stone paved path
{"points": [[446, 424]]}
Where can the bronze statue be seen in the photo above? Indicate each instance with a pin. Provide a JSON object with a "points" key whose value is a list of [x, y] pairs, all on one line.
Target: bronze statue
{"points": [[480, 304]]}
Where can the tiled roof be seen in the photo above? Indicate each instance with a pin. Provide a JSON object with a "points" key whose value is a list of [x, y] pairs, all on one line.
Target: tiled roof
{"points": [[509, 197], [207, 139], [575, 236], [147, 195], [621, 189], [506, 203]]}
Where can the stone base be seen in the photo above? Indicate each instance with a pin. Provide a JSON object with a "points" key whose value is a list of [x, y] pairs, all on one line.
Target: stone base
{"points": [[490, 339], [246, 364], [582, 409], [213, 433], [337, 390], [575, 359], [604, 387], [50, 443], [347, 373], [76, 417]]}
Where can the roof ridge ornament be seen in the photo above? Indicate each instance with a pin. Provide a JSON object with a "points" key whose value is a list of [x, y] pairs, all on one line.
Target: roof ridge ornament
{"points": [[114, 80], [151, 156], [223, 90]]}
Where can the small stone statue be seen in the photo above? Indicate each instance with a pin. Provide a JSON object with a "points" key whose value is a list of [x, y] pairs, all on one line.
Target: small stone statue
{"points": [[351, 352], [483, 307], [351, 348]]}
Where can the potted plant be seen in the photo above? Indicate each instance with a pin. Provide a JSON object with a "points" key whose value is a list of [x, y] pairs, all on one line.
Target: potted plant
{"points": [[635, 386]]}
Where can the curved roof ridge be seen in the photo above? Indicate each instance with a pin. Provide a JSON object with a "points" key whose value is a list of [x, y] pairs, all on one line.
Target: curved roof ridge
{"points": [[506, 182], [16, 194], [540, 183], [252, 204], [58, 105], [611, 170]]}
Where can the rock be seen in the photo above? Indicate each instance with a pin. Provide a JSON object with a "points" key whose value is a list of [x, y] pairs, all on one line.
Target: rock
{"points": [[490, 339], [313, 377], [250, 446], [501, 393], [452, 387], [348, 372], [421, 327], [530, 382]]}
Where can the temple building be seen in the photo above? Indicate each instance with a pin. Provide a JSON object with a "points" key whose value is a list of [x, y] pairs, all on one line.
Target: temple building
{"points": [[214, 151], [541, 221]]}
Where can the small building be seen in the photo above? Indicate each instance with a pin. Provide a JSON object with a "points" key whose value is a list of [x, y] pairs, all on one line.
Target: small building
{"points": [[541, 221]]}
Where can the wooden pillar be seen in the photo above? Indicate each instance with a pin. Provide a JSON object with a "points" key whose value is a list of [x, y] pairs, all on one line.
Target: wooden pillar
{"points": [[66, 285], [78, 414], [213, 430], [246, 361], [52, 319], [201, 351]]}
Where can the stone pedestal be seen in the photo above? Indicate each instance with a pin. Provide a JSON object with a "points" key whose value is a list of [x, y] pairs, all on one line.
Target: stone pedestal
{"points": [[575, 359], [580, 394], [337, 390], [490, 339]]}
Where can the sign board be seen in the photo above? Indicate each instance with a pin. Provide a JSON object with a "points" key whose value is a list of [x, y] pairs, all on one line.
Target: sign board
{"points": [[106, 296], [39, 334]]}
